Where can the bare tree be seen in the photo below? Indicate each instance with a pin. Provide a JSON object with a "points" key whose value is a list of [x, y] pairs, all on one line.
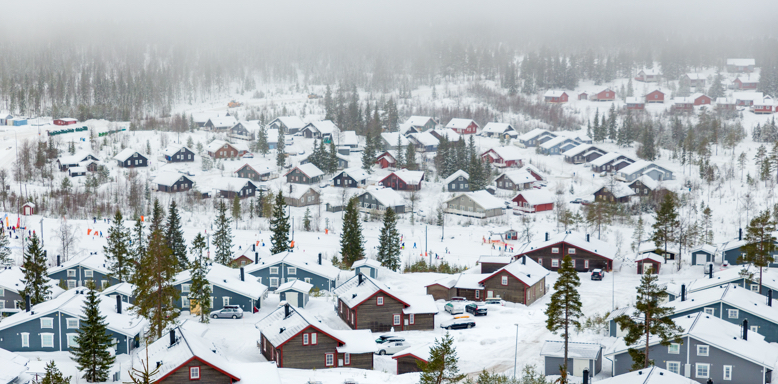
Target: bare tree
{"points": [[66, 238]]}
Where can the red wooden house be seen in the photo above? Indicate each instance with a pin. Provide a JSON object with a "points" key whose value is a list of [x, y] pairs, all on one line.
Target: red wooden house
{"points": [[583, 96], [555, 97], [683, 104], [587, 253], [534, 200], [750, 81], [28, 209], [386, 160], [404, 180], [503, 156], [65, 121], [603, 94], [765, 106], [649, 260], [635, 104], [463, 126], [655, 96], [700, 99]]}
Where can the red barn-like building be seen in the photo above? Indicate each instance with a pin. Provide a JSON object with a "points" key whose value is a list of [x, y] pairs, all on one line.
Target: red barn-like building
{"points": [[404, 180], [700, 99], [555, 97], [604, 94], [386, 160], [65, 121], [534, 200], [655, 96], [635, 103], [750, 81], [463, 126]]}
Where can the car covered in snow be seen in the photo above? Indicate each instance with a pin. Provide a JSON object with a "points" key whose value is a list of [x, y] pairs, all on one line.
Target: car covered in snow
{"points": [[494, 302], [392, 347], [454, 307], [388, 338], [477, 309]]}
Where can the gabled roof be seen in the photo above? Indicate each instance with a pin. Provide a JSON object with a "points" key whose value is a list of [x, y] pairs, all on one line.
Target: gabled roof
{"points": [[352, 293], [77, 170], [696, 76], [536, 196], [260, 166], [222, 122], [375, 264], [752, 96], [391, 138], [279, 328], [741, 62], [448, 133], [190, 344], [125, 289], [325, 127], [482, 198], [634, 100], [535, 171], [455, 175], [308, 169], [523, 269], [710, 249], [169, 178], [497, 127], [651, 256], [299, 191], [11, 280], [460, 123], [619, 190], [520, 176], [639, 166], [647, 181], [171, 150], [418, 304], [650, 72], [553, 93], [421, 352], [556, 141], [126, 154], [750, 78], [11, 366], [409, 177], [298, 260], [578, 240], [418, 120], [583, 148], [386, 196], [425, 138], [650, 375], [94, 262], [291, 122], [215, 145], [604, 159], [507, 153], [556, 348], [227, 278], [76, 158], [535, 133], [250, 125], [231, 184], [295, 285], [350, 138]]}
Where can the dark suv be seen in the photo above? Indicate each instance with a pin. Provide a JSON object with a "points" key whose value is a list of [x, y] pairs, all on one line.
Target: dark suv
{"points": [[476, 309], [597, 274]]}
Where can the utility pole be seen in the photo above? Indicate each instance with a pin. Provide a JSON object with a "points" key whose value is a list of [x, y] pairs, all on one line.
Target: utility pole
{"points": [[41, 232], [425, 240], [516, 353]]}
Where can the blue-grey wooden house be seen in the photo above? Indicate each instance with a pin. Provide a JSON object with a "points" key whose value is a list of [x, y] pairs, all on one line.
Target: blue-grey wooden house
{"points": [[458, 181], [580, 357], [289, 266], [76, 272], [367, 267], [11, 285], [229, 286], [53, 325], [295, 292], [643, 167], [703, 254], [536, 137], [743, 276], [711, 348], [558, 145], [734, 249], [123, 290]]}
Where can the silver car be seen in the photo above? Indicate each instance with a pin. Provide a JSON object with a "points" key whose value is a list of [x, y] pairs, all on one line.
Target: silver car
{"points": [[228, 312]]}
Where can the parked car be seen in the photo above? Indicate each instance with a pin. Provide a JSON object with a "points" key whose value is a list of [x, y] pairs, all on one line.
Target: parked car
{"points": [[229, 311], [597, 274], [458, 298], [248, 155], [387, 338], [392, 347], [454, 308], [458, 324], [476, 309], [494, 302], [577, 201]]}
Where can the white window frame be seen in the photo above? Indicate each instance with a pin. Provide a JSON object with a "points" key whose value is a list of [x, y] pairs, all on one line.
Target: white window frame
{"points": [[2, 292], [225, 301], [554, 263], [71, 340], [396, 319], [727, 374], [184, 301], [273, 270], [103, 284], [71, 284], [43, 340], [71, 273], [677, 363], [412, 318], [477, 294], [291, 270], [754, 328], [194, 373], [674, 349], [346, 359], [504, 280], [25, 339], [274, 282], [709, 311], [2, 304], [186, 288], [72, 323], [571, 251], [89, 273], [731, 312], [308, 280], [49, 320], [697, 367], [703, 350], [554, 250], [379, 300], [586, 264], [755, 287]]}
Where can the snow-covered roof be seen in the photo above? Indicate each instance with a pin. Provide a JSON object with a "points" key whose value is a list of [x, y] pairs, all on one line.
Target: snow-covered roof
{"points": [[524, 269], [259, 165], [231, 184], [553, 93], [298, 191], [386, 196], [635, 167], [410, 177], [11, 280], [353, 293], [325, 127], [724, 100], [719, 334], [227, 278], [619, 190], [295, 285], [94, 262], [250, 125], [520, 176], [356, 341], [731, 294], [366, 262], [419, 351], [752, 96], [454, 176], [72, 303], [223, 122], [482, 198], [497, 127], [272, 135], [215, 145], [537, 196], [448, 133], [575, 350], [460, 123], [126, 153], [648, 182], [634, 100], [577, 150], [76, 158], [420, 304], [406, 128], [705, 248], [425, 138], [650, 72], [651, 256], [77, 170], [391, 138], [576, 239], [650, 375], [604, 159], [171, 150], [189, 343], [535, 171], [418, 120], [749, 78], [11, 366], [121, 288], [292, 122], [696, 76], [508, 153], [168, 178], [741, 62], [555, 141], [350, 138], [299, 260], [470, 280], [535, 133], [202, 117], [495, 259], [308, 169]]}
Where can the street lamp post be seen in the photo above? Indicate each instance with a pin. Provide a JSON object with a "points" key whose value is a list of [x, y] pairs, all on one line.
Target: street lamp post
{"points": [[516, 352]]}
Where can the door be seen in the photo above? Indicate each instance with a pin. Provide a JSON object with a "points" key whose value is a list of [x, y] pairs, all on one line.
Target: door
{"points": [[700, 259], [647, 267], [579, 365], [291, 298]]}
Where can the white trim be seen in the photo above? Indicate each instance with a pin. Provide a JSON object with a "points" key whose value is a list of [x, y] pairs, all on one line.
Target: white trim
{"points": [[703, 350], [43, 343], [25, 339], [697, 367], [68, 326]]}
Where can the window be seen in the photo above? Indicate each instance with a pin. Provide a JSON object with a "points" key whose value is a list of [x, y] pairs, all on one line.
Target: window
{"points": [[194, 373], [71, 273], [308, 280], [2, 304], [702, 371], [184, 301], [754, 328], [288, 279], [273, 270], [72, 324], [314, 338], [586, 264], [2, 292], [25, 340], [72, 340], [504, 280], [732, 313], [571, 251], [702, 350], [554, 263], [212, 299], [477, 294], [379, 300], [47, 322], [710, 311], [103, 284], [674, 367], [273, 282], [225, 301], [186, 287], [755, 287], [291, 270], [89, 273], [47, 340], [305, 339], [554, 250], [674, 349], [396, 320], [71, 284], [727, 372], [329, 359], [346, 359]]}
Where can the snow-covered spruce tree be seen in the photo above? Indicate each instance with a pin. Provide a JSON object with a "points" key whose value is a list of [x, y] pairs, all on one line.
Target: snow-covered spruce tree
{"points": [[389, 242], [564, 310], [442, 365], [236, 210], [116, 249], [369, 153], [92, 342], [52, 376], [351, 239], [35, 272], [200, 290], [5, 249], [154, 292], [262, 145], [279, 225], [649, 318], [137, 242], [280, 152], [666, 222], [760, 243], [410, 158], [222, 236], [307, 220], [174, 237]]}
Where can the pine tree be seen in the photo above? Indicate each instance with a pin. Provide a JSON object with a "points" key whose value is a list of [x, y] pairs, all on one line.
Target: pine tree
{"points": [[279, 225], [760, 243], [475, 170], [442, 365], [35, 273], [307, 220], [154, 292], [612, 123], [5, 249], [598, 134], [389, 242], [138, 243], [369, 152], [174, 236], [222, 236], [351, 241], [262, 144], [116, 251], [332, 165], [649, 318], [717, 87], [93, 340], [666, 222], [640, 231], [647, 145], [564, 310], [410, 158], [53, 375], [400, 160], [280, 150], [236, 210], [200, 290]]}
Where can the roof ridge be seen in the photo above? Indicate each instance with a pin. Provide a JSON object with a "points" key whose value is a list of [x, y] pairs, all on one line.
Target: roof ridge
{"points": [[185, 341]]}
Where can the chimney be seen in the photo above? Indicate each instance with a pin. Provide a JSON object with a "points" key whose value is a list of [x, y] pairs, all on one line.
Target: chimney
{"points": [[27, 304], [319, 258], [587, 237], [546, 236], [769, 297], [254, 247], [58, 260], [586, 376], [118, 303], [745, 329], [710, 270], [359, 277], [172, 337], [256, 257], [290, 188], [683, 292], [242, 275], [524, 260], [740, 235], [286, 310]]}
